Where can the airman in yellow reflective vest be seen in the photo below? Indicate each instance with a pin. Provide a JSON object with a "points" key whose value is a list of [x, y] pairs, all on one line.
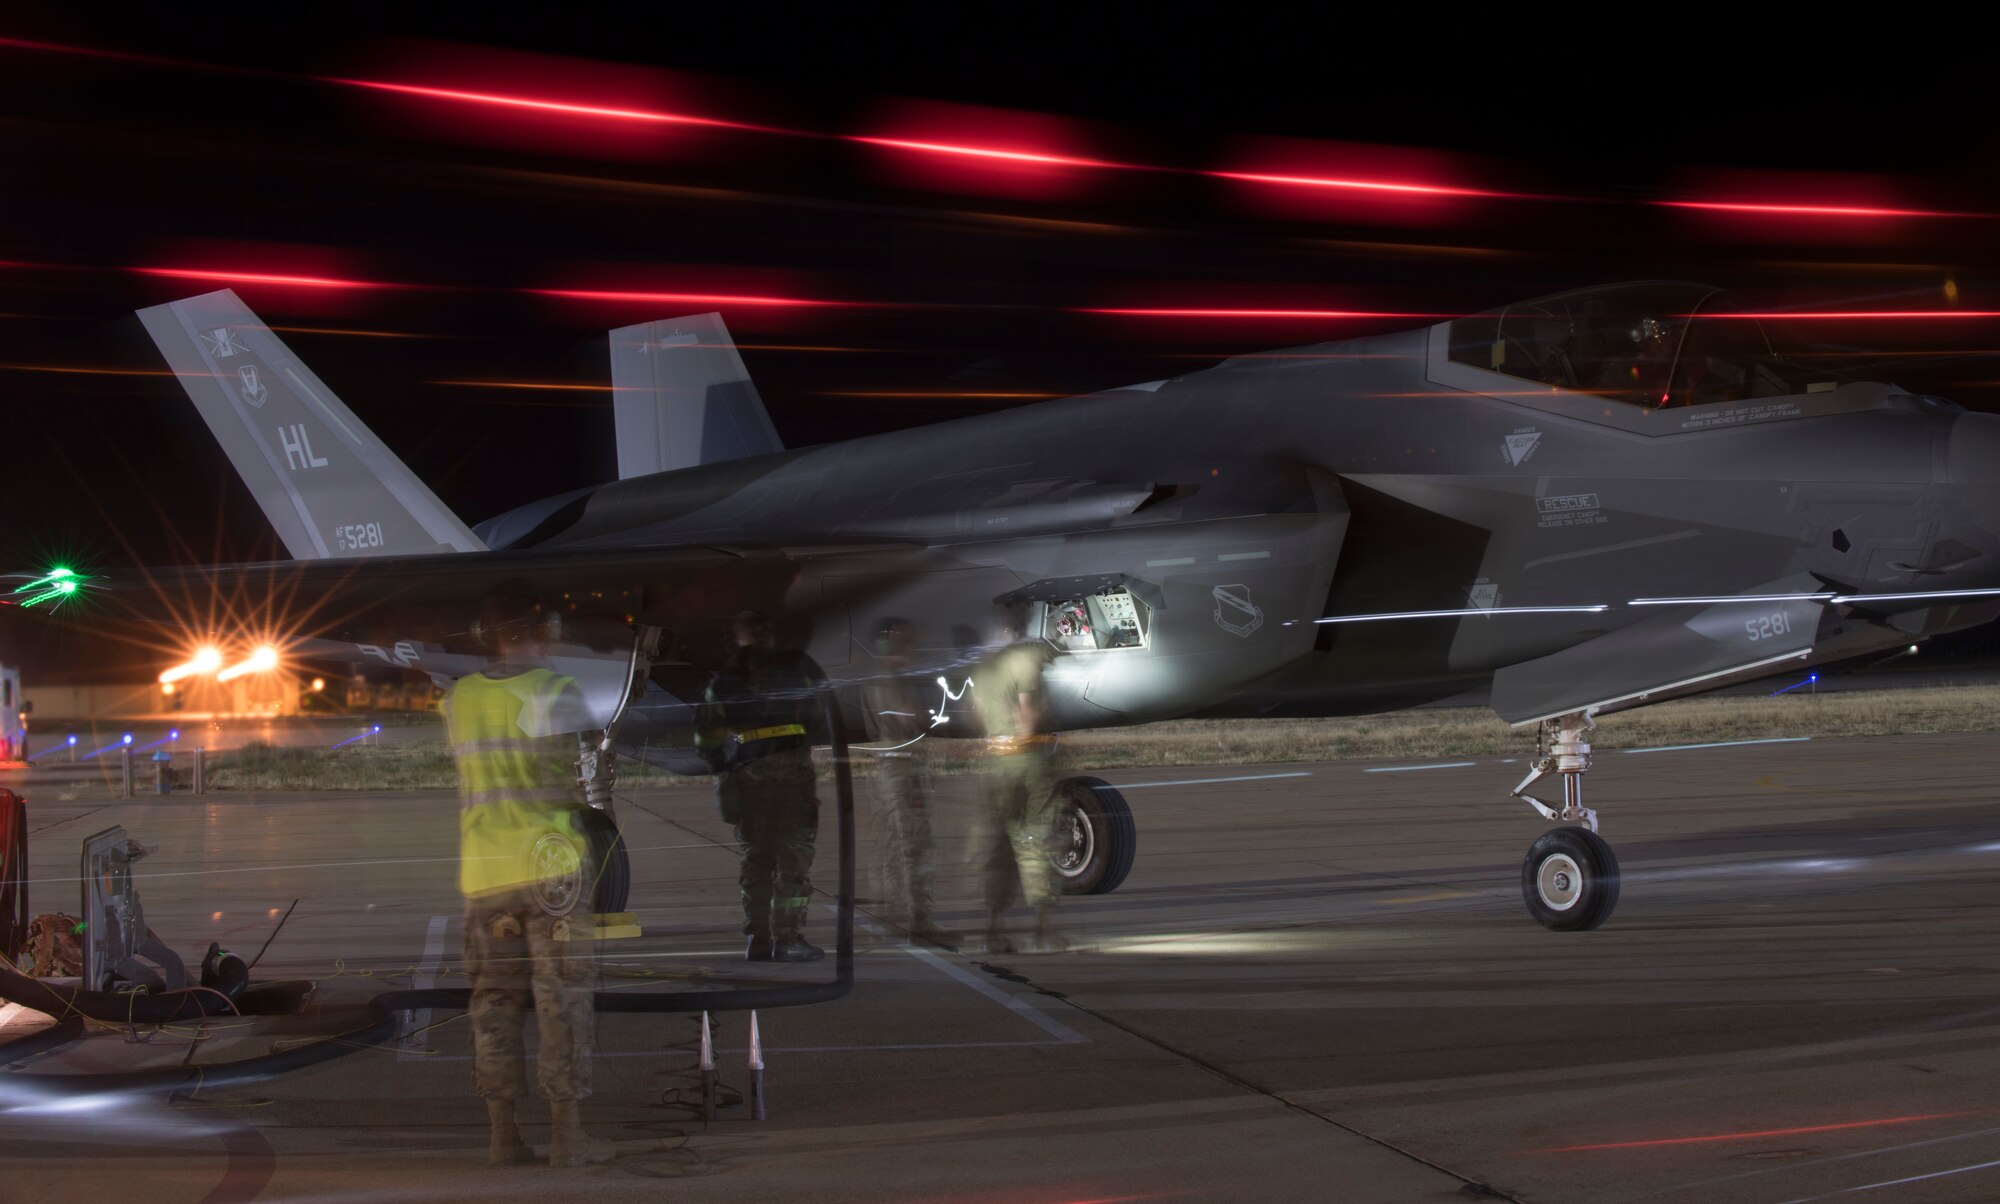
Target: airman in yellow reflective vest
{"points": [[526, 877]]}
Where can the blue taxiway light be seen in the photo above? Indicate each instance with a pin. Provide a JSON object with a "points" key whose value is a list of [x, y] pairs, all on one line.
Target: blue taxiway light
{"points": [[1811, 679]]}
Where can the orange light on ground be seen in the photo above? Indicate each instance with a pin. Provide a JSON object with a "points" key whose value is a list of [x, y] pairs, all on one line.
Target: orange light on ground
{"points": [[205, 660]]}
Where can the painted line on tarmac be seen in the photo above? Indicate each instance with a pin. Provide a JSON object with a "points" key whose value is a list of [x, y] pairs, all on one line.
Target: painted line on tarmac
{"points": [[1248, 777], [323, 865], [1063, 1033], [1717, 744], [1408, 768], [416, 1044], [1956, 1170], [1795, 1167]]}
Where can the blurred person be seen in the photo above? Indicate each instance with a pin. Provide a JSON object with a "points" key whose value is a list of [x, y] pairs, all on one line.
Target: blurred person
{"points": [[526, 878], [895, 704], [1011, 847], [757, 731]]}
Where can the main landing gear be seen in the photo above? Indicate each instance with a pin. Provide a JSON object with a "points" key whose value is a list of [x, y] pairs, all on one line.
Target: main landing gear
{"points": [[1569, 879]]}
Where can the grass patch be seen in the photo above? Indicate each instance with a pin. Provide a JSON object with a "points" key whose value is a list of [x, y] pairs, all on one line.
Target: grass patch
{"points": [[1402, 735], [1475, 731]]}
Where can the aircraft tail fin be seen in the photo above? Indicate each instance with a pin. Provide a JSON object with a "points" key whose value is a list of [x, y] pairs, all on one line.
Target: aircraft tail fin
{"points": [[332, 489], [682, 397]]}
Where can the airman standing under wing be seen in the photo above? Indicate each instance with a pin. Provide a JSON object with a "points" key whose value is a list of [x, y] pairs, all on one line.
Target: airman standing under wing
{"points": [[758, 728], [897, 712], [1012, 847]]}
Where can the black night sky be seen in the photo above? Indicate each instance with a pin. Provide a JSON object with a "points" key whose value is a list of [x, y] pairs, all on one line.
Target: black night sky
{"points": [[939, 284]]}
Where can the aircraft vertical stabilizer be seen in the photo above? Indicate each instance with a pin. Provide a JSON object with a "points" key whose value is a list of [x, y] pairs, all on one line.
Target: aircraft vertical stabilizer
{"points": [[682, 397], [331, 488]]}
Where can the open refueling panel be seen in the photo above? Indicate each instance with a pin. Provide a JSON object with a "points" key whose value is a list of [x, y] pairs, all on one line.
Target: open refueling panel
{"points": [[1105, 619]]}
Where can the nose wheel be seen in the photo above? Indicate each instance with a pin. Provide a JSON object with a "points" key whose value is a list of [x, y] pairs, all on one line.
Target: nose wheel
{"points": [[1569, 880], [1570, 877]]}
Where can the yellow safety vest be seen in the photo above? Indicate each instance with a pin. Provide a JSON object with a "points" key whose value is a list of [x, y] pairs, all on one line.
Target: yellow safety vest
{"points": [[514, 788]]}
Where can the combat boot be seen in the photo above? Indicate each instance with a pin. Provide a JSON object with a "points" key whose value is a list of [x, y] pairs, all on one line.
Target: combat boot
{"points": [[996, 940], [1046, 939], [924, 932], [569, 1145], [505, 1147], [758, 949], [796, 949]]}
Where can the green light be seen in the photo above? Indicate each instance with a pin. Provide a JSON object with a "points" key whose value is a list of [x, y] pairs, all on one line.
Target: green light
{"points": [[58, 586]]}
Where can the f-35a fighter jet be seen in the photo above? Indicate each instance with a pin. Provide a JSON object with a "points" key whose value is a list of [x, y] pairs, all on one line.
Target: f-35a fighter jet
{"points": [[1584, 503]]}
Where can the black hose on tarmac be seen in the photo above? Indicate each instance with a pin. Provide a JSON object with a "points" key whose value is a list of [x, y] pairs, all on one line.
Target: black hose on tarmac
{"points": [[112, 1007], [384, 1021]]}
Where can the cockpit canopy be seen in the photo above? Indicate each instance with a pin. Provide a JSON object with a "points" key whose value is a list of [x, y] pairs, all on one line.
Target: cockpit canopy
{"points": [[1656, 344]]}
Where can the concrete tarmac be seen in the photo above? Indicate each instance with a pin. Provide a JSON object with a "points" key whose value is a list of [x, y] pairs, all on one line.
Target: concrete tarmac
{"points": [[1318, 983]]}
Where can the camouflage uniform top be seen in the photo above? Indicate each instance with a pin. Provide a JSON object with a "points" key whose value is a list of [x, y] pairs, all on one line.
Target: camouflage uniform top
{"points": [[997, 686], [764, 701], [896, 710]]}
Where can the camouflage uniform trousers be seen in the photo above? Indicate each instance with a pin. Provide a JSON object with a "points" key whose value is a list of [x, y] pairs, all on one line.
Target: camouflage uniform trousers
{"points": [[1012, 847], [778, 826], [908, 867], [514, 954]]}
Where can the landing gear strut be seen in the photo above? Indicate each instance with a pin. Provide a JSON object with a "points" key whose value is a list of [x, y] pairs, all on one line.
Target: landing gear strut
{"points": [[1569, 879], [597, 774]]}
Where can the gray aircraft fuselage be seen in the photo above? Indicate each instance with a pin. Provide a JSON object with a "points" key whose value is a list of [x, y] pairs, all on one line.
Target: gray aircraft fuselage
{"points": [[1371, 477]]}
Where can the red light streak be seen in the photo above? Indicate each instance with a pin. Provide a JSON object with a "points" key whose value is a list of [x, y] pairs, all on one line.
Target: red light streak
{"points": [[578, 294], [257, 278], [88, 52], [1835, 315], [1256, 313], [628, 114], [1751, 1135], [565, 108], [984, 152], [1353, 185], [1785, 210]]}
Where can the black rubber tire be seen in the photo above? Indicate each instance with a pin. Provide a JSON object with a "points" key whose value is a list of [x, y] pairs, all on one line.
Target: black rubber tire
{"points": [[1113, 836], [1582, 887], [612, 866]]}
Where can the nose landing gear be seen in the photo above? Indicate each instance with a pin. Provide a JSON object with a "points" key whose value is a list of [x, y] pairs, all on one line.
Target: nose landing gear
{"points": [[1569, 879]]}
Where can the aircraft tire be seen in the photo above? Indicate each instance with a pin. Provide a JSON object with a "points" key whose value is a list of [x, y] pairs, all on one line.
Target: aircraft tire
{"points": [[1569, 880], [1097, 838], [614, 867]]}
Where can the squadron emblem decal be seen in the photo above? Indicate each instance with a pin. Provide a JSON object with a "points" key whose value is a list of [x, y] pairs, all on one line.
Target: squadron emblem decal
{"points": [[1235, 613]]}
